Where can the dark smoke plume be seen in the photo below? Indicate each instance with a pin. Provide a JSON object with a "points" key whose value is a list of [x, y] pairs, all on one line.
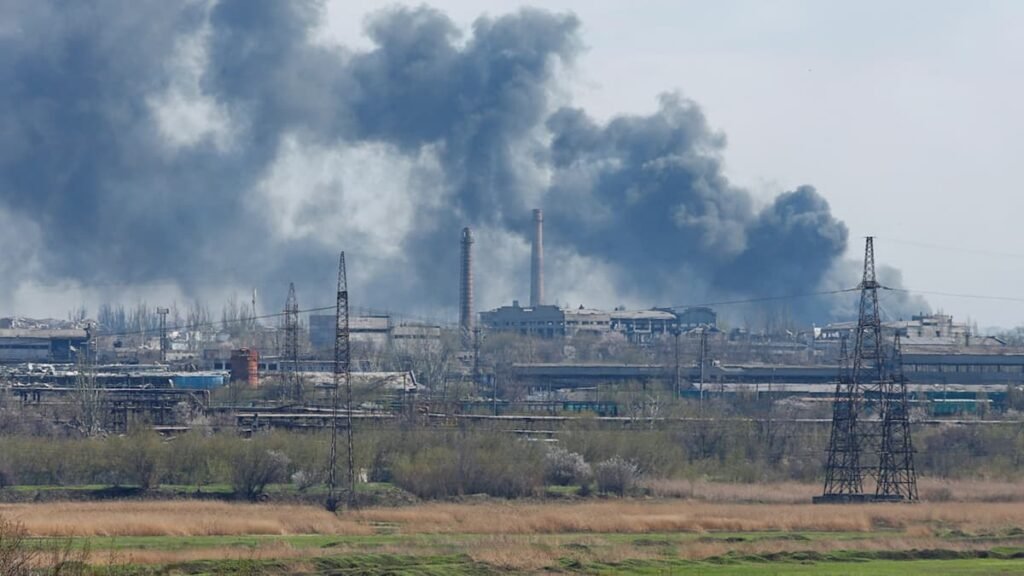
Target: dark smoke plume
{"points": [[648, 194], [218, 146]]}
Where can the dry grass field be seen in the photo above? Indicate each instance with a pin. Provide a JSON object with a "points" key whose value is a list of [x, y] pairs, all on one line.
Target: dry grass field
{"points": [[641, 535], [522, 536], [193, 518], [931, 490], [176, 518], [639, 517]]}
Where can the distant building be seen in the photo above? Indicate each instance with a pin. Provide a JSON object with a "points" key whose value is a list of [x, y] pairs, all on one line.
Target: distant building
{"points": [[370, 329], [580, 321], [696, 317], [19, 345], [932, 326], [643, 326], [638, 326], [938, 329], [374, 330], [544, 321], [321, 331], [926, 332], [415, 333]]}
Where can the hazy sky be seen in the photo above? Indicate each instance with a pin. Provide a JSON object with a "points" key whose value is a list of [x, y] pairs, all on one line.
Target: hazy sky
{"points": [[905, 116], [170, 151]]}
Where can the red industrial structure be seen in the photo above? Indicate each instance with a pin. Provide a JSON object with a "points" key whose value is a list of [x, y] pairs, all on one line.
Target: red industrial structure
{"points": [[245, 367]]}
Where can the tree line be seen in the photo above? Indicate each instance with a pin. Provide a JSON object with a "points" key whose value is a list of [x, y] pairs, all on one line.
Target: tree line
{"points": [[450, 462]]}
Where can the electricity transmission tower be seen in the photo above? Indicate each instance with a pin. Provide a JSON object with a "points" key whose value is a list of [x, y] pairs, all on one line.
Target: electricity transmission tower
{"points": [[861, 447], [342, 378], [291, 340], [897, 479]]}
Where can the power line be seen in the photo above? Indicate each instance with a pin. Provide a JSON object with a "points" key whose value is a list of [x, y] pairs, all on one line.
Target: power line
{"points": [[213, 323], [942, 248], [955, 295], [766, 298]]}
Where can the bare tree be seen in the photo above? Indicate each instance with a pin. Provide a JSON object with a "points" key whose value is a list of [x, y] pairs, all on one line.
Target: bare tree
{"points": [[88, 397]]}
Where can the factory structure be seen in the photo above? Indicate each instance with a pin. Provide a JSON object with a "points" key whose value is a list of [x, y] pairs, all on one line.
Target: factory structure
{"points": [[378, 330], [155, 372], [938, 352], [636, 326], [41, 345], [549, 321]]}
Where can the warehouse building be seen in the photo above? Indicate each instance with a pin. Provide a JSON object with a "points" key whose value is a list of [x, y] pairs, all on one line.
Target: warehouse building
{"points": [[544, 320], [637, 326], [376, 330], [19, 345]]}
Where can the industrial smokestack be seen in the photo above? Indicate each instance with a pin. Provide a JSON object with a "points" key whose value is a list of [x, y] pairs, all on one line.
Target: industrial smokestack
{"points": [[537, 260], [466, 319]]}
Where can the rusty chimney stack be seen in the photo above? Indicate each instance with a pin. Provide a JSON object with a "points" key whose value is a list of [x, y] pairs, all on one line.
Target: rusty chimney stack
{"points": [[466, 319], [537, 260]]}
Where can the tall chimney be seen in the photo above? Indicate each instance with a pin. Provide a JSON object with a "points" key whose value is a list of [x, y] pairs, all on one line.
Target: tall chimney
{"points": [[466, 320], [537, 260]]}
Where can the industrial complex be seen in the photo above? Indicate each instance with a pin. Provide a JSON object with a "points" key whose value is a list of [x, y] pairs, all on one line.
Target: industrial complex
{"points": [[581, 358]]}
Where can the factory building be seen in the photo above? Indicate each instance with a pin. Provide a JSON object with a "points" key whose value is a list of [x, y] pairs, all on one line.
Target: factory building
{"points": [[376, 330], [643, 326], [937, 332], [697, 316], [19, 345], [547, 321], [586, 321], [544, 321], [404, 333], [936, 370]]}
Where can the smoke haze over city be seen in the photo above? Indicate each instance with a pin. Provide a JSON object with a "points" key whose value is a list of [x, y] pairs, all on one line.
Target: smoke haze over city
{"points": [[192, 150]]}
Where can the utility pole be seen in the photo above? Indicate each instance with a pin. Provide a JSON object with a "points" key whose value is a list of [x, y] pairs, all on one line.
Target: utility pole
{"points": [[703, 360], [494, 392], [291, 340], [162, 312], [700, 405], [771, 406], [342, 377], [476, 356], [676, 331]]}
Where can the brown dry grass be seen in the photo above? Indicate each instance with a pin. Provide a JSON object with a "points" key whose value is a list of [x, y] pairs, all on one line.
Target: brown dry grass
{"points": [[176, 518], [771, 493], [939, 490], [527, 536], [190, 518], [525, 553], [687, 516], [931, 490]]}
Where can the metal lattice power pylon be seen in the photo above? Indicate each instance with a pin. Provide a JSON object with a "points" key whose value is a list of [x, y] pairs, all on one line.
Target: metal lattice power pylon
{"points": [[842, 470], [290, 350], [342, 381], [875, 443], [897, 478]]}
